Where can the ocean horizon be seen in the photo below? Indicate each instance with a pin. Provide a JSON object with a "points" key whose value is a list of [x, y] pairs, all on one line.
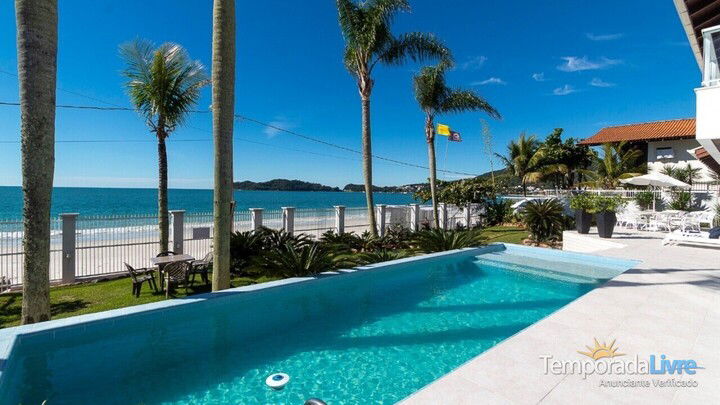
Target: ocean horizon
{"points": [[98, 201]]}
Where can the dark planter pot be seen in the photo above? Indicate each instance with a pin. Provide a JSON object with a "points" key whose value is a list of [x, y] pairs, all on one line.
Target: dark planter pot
{"points": [[582, 221], [606, 223]]}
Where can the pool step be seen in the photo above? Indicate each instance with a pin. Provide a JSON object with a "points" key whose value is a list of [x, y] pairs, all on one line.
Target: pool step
{"points": [[538, 271], [585, 269]]}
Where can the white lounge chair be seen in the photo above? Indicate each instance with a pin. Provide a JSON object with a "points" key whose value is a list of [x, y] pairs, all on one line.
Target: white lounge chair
{"points": [[690, 238]]}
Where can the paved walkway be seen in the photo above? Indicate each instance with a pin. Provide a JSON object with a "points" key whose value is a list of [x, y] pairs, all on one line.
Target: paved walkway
{"points": [[669, 304]]}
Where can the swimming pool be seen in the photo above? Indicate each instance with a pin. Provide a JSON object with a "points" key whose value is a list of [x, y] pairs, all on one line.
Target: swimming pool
{"points": [[372, 335]]}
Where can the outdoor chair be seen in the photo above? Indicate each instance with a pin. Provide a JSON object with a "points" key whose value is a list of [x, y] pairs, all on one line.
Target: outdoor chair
{"points": [[140, 276], [202, 267], [177, 273], [166, 253]]}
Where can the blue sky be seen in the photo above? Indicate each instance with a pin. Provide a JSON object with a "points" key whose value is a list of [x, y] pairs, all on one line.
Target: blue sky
{"points": [[579, 65]]}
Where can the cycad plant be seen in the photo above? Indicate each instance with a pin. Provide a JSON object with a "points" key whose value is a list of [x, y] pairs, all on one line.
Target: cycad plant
{"points": [[244, 246], [435, 98], [380, 255], [164, 85], [438, 240], [290, 260], [544, 219], [369, 42]]}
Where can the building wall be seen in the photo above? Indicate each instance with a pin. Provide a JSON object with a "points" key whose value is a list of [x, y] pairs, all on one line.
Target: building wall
{"points": [[681, 156]]}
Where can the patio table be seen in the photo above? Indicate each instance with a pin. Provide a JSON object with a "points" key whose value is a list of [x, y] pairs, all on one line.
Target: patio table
{"points": [[165, 260]]}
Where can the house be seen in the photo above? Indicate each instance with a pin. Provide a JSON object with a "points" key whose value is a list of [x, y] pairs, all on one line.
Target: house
{"points": [[671, 142], [693, 141]]}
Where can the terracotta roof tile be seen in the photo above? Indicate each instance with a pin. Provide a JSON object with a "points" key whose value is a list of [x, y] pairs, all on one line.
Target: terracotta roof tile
{"points": [[650, 131]]}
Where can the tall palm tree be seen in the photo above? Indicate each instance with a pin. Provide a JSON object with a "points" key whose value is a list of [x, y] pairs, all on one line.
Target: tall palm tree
{"points": [[523, 159], [618, 161], [435, 98], [369, 42], [37, 68], [164, 85], [223, 108]]}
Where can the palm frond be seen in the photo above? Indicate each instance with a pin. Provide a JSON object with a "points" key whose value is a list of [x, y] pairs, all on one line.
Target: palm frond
{"points": [[416, 46], [466, 100]]}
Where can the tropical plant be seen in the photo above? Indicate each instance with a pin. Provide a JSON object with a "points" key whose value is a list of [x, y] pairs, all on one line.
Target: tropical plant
{"points": [[163, 85], [459, 192], [716, 209], [498, 211], [544, 219], [37, 35], [396, 237], [603, 203], [380, 255], [561, 161], [435, 98], [523, 159], [369, 41], [290, 260], [223, 109], [340, 242], [644, 199], [681, 200], [618, 161], [275, 238], [582, 202], [438, 240], [244, 246]]}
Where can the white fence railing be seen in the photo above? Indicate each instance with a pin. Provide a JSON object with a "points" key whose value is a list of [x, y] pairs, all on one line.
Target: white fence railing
{"points": [[94, 246]]}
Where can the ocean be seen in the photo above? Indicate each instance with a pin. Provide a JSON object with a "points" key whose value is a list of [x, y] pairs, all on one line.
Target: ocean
{"points": [[129, 201]]}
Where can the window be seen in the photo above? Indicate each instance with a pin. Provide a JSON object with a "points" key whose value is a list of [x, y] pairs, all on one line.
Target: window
{"points": [[664, 153]]}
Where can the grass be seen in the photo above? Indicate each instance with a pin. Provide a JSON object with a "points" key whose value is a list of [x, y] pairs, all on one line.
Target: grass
{"points": [[101, 296]]}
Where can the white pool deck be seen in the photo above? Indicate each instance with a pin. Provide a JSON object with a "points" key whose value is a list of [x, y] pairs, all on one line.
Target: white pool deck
{"points": [[669, 304]]}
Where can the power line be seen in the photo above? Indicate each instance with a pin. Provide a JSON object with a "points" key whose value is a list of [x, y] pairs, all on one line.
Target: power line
{"points": [[115, 107], [241, 117]]}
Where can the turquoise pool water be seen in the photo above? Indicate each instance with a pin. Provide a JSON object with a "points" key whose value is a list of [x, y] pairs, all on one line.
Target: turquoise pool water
{"points": [[365, 337]]}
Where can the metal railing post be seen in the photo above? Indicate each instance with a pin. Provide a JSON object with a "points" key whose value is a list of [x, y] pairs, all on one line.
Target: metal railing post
{"points": [[414, 217], [339, 219], [69, 242], [382, 209], [256, 219], [178, 228], [288, 219]]}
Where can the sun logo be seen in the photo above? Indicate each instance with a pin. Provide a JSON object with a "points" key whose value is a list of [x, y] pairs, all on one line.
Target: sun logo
{"points": [[601, 351]]}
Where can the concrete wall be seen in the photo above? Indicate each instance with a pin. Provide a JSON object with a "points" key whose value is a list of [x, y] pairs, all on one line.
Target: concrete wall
{"points": [[681, 156]]}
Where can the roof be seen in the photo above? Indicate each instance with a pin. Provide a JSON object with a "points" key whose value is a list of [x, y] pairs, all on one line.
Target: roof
{"points": [[702, 155], [695, 16], [649, 131]]}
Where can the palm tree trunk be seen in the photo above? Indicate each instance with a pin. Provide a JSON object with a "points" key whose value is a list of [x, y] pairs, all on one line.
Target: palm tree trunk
{"points": [[223, 107], [163, 220], [367, 161], [430, 139], [37, 68]]}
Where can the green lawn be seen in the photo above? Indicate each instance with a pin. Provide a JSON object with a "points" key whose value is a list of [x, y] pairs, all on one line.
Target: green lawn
{"points": [[101, 296]]}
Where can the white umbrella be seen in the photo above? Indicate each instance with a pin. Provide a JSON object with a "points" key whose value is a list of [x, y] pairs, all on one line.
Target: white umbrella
{"points": [[655, 179]]}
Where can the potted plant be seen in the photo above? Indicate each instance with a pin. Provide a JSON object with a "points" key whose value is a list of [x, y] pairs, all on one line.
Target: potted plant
{"points": [[605, 208], [644, 199], [582, 204]]}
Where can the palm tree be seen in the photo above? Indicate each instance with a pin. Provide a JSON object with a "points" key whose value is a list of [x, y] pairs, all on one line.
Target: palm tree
{"points": [[37, 68], [435, 97], [618, 161], [523, 159], [369, 42], [223, 108], [163, 84]]}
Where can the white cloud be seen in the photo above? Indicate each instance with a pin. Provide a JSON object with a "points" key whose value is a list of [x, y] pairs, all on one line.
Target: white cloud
{"points": [[492, 80], [604, 37], [539, 77], [277, 126], [597, 82], [473, 63], [576, 64], [564, 90]]}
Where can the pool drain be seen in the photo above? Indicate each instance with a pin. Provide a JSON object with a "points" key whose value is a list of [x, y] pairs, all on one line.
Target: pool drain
{"points": [[277, 381]]}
